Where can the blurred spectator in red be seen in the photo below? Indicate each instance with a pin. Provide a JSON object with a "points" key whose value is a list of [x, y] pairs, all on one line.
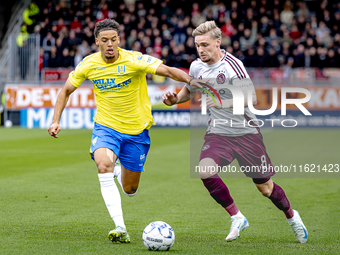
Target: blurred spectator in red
{"points": [[221, 9], [61, 24], [158, 46], [75, 24], [41, 61], [295, 33], [195, 9], [104, 13], [227, 28]]}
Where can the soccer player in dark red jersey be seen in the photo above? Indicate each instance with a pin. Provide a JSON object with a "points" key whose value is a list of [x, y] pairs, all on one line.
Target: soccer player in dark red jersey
{"points": [[224, 143]]}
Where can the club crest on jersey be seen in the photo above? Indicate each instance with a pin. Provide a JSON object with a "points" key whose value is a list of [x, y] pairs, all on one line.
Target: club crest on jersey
{"points": [[121, 69], [220, 79]]}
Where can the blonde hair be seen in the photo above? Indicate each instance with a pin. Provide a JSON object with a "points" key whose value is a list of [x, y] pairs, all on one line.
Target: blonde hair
{"points": [[208, 27]]}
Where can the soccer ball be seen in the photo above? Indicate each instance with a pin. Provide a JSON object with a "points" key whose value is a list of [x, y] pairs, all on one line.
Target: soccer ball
{"points": [[158, 236]]}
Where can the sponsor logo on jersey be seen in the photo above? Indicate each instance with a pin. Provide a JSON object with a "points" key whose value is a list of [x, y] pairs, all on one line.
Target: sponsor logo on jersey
{"points": [[121, 69], [140, 57], [109, 83], [103, 68], [149, 59]]}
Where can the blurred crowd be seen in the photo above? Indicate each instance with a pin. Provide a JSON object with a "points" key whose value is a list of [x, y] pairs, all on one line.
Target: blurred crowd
{"points": [[261, 33]]}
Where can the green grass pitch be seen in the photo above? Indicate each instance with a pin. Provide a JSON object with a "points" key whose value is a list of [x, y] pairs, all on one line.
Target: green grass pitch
{"points": [[50, 199]]}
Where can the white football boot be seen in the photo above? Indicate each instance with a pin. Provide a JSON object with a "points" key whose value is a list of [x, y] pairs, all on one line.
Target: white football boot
{"points": [[300, 231], [238, 223]]}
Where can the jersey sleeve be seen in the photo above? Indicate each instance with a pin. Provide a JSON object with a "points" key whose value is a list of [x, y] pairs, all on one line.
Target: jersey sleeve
{"points": [[77, 76], [146, 63]]}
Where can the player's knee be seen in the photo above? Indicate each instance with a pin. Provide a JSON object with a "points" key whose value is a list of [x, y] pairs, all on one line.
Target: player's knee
{"points": [[207, 168], [104, 168], [265, 191]]}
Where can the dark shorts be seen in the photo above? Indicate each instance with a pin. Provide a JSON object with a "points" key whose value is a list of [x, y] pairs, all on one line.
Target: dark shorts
{"points": [[249, 150]]}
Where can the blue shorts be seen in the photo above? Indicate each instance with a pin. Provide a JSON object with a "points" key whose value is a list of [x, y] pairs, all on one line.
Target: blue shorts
{"points": [[130, 149]]}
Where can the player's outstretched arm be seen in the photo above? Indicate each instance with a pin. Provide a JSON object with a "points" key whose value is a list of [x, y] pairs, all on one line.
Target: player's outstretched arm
{"points": [[60, 105], [179, 75], [183, 96]]}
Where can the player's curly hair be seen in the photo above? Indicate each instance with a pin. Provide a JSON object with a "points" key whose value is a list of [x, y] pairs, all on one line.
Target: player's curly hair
{"points": [[106, 24], [206, 27]]}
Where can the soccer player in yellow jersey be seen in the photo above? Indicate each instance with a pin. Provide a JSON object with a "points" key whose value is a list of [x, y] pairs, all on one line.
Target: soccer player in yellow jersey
{"points": [[123, 114]]}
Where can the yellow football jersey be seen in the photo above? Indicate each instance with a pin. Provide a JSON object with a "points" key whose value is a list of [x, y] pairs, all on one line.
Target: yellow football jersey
{"points": [[120, 88]]}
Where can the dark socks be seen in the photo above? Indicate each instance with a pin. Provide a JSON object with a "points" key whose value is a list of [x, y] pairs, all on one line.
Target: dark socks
{"points": [[219, 191], [279, 199]]}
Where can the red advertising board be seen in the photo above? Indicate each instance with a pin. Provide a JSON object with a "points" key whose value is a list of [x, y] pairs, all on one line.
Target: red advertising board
{"points": [[19, 96]]}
